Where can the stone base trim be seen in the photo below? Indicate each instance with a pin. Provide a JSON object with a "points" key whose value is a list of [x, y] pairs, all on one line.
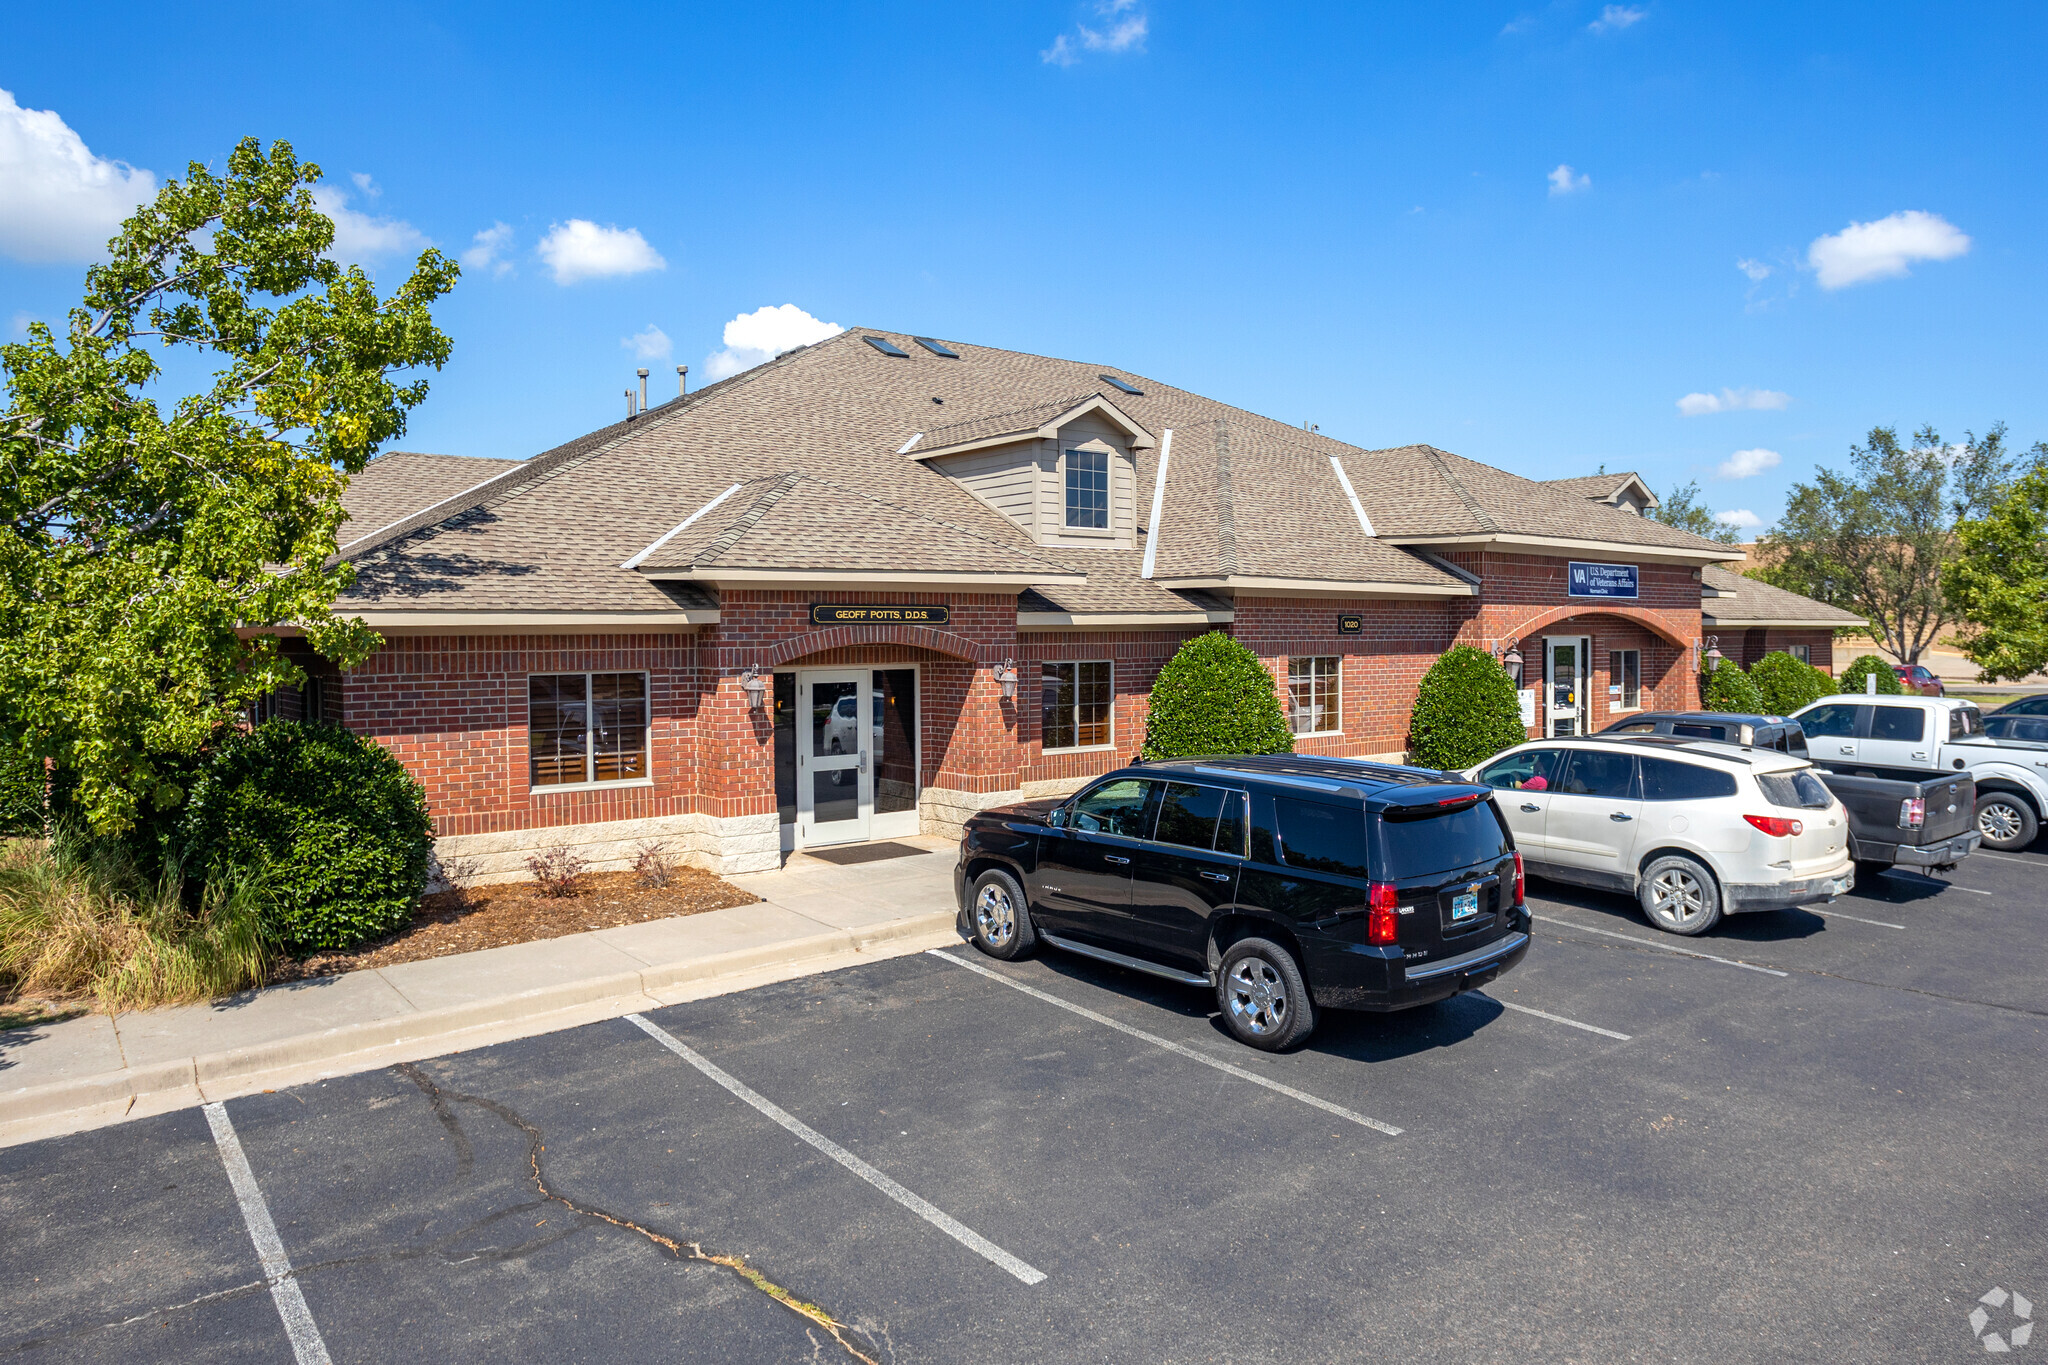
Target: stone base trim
{"points": [[727, 845]]}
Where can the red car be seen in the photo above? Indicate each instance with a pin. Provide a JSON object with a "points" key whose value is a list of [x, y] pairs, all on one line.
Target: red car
{"points": [[1917, 678]]}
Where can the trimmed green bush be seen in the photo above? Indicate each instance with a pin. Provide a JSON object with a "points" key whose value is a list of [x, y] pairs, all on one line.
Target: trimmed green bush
{"points": [[1215, 697], [1869, 666], [1465, 712], [1786, 683], [334, 825], [1728, 688]]}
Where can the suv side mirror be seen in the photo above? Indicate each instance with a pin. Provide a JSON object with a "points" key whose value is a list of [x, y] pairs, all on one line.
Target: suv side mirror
{"points": [[1058, 818]]}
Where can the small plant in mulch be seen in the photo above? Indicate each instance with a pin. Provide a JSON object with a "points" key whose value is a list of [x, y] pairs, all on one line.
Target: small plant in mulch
{"points": [[556, 871], [654, 866]]}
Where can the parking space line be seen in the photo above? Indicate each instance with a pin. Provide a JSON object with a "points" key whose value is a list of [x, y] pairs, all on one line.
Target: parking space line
{"points": [[1827, 912], [1661, 947], [307, 1345], [1155, 1040], [2008, 858], [1560, 1019], [931, 1213]]}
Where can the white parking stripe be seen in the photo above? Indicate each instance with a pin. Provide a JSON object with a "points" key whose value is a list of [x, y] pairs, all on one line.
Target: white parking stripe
{"points": [[2008, 858], [1662, 947], [1830, 913], [277, 1267], [1155, 1040], [931, 1213], [1560, 1019]]}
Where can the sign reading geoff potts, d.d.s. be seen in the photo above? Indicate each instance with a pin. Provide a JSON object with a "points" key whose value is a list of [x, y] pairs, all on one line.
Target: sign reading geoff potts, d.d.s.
{"points": [[1601, 580], [834, 614]]}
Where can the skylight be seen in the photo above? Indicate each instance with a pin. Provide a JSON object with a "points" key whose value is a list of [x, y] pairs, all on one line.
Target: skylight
{"points": [[1122, 384], [937, 348], [887, 347]]}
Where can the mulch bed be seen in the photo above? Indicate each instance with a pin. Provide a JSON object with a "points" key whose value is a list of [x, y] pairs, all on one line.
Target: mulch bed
{"points": [[492, 916]]}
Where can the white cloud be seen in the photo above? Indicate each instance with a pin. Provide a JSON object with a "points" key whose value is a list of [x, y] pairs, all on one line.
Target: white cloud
{"points": [[488, 250], [1741, 518], [19, 330], [360, 238], [649, 343], [60, 202], [1744, 463], [1125, 31], [367, 184], [581, 250], [1615, 18], [752, 338], [1061, 53], [1733, 400], [1885, 248], [1757, 271], [1563, 181]]}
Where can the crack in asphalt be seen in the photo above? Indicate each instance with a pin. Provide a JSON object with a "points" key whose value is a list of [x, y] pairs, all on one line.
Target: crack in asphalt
{"points": [[675, 1247]]}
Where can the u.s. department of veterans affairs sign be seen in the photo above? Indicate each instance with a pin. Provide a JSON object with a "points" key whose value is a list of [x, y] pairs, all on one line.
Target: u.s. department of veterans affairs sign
{"points": [[1600, 580], [823, 614]]}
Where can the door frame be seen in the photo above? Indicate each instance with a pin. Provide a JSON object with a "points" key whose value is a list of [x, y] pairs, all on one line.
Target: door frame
{"points": [[872, 824], [851, 831], [1582, 722]]}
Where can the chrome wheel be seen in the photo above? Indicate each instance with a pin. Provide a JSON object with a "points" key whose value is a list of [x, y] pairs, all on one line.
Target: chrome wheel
{"points": [[1677, 899], [1256, 997], [1998, 820], [995, 916]]}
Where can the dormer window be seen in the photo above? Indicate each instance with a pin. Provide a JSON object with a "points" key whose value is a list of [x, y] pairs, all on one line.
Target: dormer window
{"points": [[1088, 489]]}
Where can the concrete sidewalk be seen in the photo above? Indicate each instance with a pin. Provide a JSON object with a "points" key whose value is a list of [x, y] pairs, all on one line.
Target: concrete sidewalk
{"points": [[813, 916]]}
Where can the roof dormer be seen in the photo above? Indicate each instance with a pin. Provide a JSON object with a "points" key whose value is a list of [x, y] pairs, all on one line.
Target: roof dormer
{"points": [[1065, 472]]}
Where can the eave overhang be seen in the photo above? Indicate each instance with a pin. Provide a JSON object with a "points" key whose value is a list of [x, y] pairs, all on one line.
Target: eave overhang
{"points": [[1320, 587], [838, 578], [1141, 439], [1653, 554], [1121, 620]]}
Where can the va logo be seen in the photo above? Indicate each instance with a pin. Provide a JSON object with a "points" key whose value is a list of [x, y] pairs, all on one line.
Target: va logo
{"points": [[2015, 1325]]}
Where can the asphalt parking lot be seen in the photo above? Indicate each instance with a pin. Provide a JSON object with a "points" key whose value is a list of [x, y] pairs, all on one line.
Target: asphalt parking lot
{"points": [[1805, 1136]]}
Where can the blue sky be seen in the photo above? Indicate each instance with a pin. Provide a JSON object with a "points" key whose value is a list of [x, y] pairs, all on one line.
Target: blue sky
{"points": [[1525, 233]]}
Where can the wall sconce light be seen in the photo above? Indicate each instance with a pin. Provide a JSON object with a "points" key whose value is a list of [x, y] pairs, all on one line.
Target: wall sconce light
{"points": [[1511, 660], [757, 688], [1714, 654], [1006, 675]]}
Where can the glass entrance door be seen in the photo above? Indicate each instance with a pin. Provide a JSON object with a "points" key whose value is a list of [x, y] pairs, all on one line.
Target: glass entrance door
{"points": [[835, 792], [1565, 668]]}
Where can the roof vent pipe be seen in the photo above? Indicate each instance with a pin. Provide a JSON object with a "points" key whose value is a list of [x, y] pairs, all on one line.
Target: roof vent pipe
{"points": [[629, 405], [643, 388], [682, 380]]}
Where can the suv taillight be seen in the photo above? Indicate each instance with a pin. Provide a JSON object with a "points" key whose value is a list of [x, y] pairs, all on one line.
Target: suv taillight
{"points": [[1912, 812], [1777, 826], [1382, 926], [1518, 877]]}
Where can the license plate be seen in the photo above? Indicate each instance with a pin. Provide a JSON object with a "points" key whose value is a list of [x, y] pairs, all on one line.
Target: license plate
{"points": [[1465, 906]]}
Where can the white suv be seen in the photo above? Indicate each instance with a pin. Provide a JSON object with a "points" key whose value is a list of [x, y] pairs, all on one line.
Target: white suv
{"points": [[1693, 829]]}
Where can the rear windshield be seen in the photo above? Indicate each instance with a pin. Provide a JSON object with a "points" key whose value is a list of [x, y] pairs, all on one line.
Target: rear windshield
{"points": [[1317, 837], [1441, 843], [1965, 720], [1800, 790]]}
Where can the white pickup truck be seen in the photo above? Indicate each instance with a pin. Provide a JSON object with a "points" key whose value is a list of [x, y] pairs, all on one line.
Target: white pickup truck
{"points": [[1941, 733]]}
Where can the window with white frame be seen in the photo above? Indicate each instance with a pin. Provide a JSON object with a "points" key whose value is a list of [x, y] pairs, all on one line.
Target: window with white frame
{"points": [[1624, 680], [1088, 489], [586, 727], [1312, 695], [1076, 700]]}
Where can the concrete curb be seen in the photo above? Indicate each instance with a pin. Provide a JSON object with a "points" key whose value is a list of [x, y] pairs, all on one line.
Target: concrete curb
{"points": [[33, 1112]]}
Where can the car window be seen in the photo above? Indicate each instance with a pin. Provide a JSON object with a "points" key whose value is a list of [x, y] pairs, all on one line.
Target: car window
{"points": [[1230, 825], [1666, 779], [1114, 808], [1965, 720], [1800, 790], [1695, 730], [1836, 720], [1906, 723], [1641, 727], [1188, 814], [848, 706], [1439, 843], [1599, 772], [1322, 838], [1531, 770], [2029, 706], [2017, 727]]}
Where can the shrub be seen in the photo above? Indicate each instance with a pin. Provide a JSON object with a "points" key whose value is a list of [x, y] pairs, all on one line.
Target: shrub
{"points": [[1869, 666], [24, 785], [559, 871], [654, 866], [1728, 688], [1785, 684], [336, 827], [1465, 712], [1215, 697]]}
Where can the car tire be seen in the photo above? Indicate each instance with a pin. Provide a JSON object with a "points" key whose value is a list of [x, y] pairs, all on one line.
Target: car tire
{"points": [[998, 918], [2006, 822], [1679, 895], [1264, 1001]]}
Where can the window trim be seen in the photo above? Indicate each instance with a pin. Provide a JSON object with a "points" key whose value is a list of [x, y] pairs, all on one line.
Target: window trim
{"points": [[589, 752], [1106, 746], [1614, 656], [1337, 698], [1094, 445], [1803, 653]]}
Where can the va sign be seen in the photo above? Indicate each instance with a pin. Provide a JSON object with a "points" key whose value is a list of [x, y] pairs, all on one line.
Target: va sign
{"points": [[1601, 580]]}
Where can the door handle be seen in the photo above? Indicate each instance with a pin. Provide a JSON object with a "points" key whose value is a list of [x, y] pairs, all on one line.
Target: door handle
{"points": [[1217, 876], [1919, 753], [1848, 748], [1618, 815], [1531, 809], [863, 760], [1112, 858]]}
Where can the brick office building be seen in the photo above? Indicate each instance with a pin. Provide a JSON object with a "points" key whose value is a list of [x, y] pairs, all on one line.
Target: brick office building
{"points": [[883, 581]]}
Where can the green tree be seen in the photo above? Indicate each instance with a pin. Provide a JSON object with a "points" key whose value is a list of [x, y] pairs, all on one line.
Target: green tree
{"points": [[1869, 666], [1730, 689], [1465, 712], [140, 540], [1682, 507], [1215, 697], [1875, 541], [1999, 580], [1785, 684]]}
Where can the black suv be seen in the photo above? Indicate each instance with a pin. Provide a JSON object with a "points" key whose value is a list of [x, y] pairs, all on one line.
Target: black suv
{"points": [[1781, 733], [1287, 882]]}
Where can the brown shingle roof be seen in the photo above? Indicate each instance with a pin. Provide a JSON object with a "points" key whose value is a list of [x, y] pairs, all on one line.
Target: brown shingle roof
{"points": [[1755, 602], [406, 481]]}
